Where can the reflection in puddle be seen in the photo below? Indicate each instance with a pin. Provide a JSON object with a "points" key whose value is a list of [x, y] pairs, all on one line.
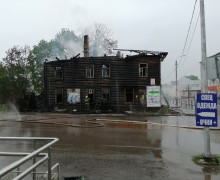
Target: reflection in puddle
{"points": [[158, 149], [209, 170]]}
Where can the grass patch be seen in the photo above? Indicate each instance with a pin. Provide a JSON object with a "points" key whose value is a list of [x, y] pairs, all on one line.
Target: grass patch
{"points": [[166, 110], [200, 159]]}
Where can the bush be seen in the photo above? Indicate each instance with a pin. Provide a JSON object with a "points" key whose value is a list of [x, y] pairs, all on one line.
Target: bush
{"points": [[2, 107], [214, 159]]}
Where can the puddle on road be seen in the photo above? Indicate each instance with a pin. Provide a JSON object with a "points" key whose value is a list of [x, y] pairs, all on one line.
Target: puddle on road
{"points": [[172, 146], [125, 125]]}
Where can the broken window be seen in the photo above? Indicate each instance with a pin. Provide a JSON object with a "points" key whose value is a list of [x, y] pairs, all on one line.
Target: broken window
{"points": [[129, 95], [106, 95], [143, 70], [58, 96], [90, 71], [105, 71], [73, 96], [90, 93], [58, 72]]}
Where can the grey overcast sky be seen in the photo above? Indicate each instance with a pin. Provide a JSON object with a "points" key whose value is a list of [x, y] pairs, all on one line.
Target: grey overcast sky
{"points": [[157, 25]]}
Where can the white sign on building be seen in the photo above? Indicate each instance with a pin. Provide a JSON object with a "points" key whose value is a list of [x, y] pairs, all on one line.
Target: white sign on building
{"points": [[153, 96], [152, 81]]}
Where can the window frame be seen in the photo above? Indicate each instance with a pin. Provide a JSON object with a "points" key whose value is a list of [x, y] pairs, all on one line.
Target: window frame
{"points": [[105, 71], [90, 91], [90, 71], [57, 71], [143, 71]]}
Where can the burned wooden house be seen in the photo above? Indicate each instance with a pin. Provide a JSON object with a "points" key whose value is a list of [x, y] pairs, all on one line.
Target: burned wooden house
{"points": [[107, 84]]}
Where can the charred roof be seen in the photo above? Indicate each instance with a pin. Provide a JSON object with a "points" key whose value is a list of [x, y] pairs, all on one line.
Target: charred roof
{"points": [[141, 53]]}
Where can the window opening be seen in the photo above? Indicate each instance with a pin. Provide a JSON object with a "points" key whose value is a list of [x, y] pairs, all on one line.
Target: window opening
{"points": [[143, 70], [105, 71], [90, 93], [90, 71], [59, 96], [106, 95], [129, 95], [73, 96], [58, 72], [142, 97]]}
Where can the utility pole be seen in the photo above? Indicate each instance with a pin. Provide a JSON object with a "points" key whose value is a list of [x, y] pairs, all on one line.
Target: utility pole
{"points": [[188, 95], [176, 79], [176, 86], [207, 150]]}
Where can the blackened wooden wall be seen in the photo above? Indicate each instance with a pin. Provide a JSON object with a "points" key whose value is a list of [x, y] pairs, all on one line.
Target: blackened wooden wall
{"points": [[124, 73]]}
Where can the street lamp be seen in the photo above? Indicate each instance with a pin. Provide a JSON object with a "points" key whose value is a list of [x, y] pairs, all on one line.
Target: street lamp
{"points": [[176, 79]]}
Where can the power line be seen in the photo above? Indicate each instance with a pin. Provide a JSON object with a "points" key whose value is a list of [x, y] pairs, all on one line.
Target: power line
{"points": [[189, 29], [192, 36], [186, 40]]}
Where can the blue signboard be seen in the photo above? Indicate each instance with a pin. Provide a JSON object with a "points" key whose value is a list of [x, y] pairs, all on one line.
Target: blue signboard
{"points": [[206, 109]]}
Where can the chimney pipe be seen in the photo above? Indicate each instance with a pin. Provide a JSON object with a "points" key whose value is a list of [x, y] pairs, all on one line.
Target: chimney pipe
{"points": [[86, 46]]}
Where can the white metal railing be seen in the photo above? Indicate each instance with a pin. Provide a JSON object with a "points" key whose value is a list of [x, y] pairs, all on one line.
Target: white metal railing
{"points": [[37, 153]]}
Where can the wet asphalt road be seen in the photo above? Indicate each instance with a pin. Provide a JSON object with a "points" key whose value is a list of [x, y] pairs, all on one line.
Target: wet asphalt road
{"points": [[125, 148]]}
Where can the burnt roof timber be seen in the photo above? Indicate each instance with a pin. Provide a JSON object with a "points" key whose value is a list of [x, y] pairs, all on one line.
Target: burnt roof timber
{"points": [[143, 51], [162, 54]]}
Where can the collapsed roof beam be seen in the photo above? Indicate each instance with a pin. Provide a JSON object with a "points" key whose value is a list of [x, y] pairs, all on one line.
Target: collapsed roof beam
{"points": [[143, 51]]}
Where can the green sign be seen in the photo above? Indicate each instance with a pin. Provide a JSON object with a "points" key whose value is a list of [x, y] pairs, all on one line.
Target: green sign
{"points": [[153, 96], [154, 92]]}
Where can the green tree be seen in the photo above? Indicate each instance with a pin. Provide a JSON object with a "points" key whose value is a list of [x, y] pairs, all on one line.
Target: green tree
{"points": [[25, 67], [192, 77], [37, 56], [15, 73], [3, 84], [65, 45]]}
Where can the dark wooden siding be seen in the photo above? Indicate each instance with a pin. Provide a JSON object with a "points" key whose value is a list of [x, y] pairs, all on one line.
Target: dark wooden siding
{"points": [[124, 73]]}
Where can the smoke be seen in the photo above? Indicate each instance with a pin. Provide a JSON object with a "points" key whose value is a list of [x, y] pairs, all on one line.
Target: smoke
{"points": [[10, 112], [169, 91], [67, 44], [100, 39], [71, 48]]}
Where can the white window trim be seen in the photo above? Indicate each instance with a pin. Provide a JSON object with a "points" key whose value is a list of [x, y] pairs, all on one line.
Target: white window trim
{"points": [[90, 71], [141, 70]]}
